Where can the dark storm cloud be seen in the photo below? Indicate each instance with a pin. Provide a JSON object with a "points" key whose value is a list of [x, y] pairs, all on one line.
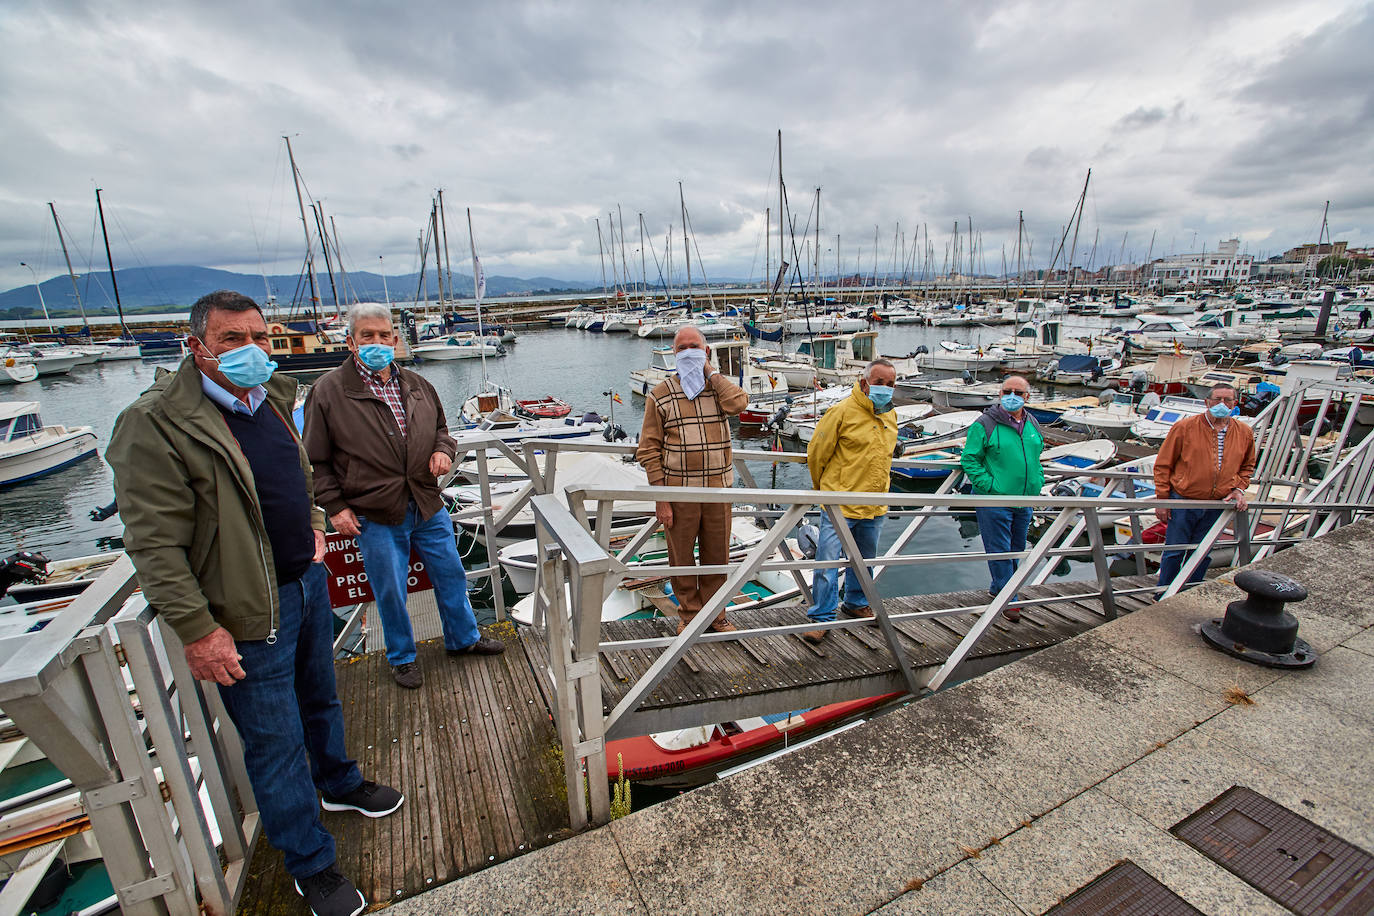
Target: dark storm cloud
{"points": [[542, 117]]}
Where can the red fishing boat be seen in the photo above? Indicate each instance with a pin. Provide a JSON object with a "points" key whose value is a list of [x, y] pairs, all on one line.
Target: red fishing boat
{"points": [[545, 408], [693, 756]]}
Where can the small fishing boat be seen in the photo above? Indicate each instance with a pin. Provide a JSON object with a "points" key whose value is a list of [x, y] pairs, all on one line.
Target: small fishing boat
{"points": [[457, 347], [693, 756], [1112, 419], [29, 449], [52, 578], [905, 413], [1154, 427]]}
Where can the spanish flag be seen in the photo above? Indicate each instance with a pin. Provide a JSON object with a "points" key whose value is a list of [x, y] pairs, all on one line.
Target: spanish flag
{"points": [[615, 397]]}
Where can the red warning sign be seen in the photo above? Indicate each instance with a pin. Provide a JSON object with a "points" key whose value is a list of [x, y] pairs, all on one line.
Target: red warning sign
{"points": [[347, 578]]}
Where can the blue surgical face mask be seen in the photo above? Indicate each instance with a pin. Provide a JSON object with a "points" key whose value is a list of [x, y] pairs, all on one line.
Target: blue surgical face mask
{"points": [[1013, 402], [881, 396], [246, 366], [376, 356], [1220, 411]]}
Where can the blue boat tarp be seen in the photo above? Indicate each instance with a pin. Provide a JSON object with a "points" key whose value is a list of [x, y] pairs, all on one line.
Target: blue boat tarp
{"points": [[757, 334], [1077, 362]]}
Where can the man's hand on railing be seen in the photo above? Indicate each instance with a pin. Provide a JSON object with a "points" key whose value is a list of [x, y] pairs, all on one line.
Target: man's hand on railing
{"points": [[1237, 496], [214, 657]]}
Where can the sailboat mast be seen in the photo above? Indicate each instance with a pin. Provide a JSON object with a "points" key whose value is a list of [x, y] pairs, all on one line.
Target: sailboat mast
{"points": [[768, 252], [448, 265], [624, 267], [338, 255], [318, 209], [643, 269], [110, 260], [1077, 223], [478, 282], [1020, 272], [305, 227], [782, 210], [816, 255], [686, 244], [438, 255], [71, 273], [601, 250]]}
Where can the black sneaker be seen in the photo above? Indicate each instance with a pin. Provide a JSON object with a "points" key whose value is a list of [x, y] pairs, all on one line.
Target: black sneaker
{"points": [[368, 799], [329, 893], [483, 646], [408, 675]]}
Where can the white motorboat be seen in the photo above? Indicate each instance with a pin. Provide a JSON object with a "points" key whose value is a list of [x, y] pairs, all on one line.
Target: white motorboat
{"points": [[1078, 456], [48, 363], [799, 372], [1112, 420], [829, 323], [958, 393], [456, 347], [1174, 305], [85, 356], [14, 370], [29, 449], [513, 429], [951, 356], [118, 348], [1158, 331], [839, 358]]}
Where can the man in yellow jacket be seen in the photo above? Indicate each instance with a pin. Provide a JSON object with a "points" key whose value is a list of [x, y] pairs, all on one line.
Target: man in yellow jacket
{"points": [[851, 451]]}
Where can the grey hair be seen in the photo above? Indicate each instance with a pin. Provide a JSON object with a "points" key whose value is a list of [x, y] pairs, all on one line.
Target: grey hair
{"points": [[222, 300], [365, 310], [688, 327], [868, 370]]}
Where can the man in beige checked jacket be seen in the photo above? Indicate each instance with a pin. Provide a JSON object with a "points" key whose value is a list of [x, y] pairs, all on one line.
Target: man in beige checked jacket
{"points": [[685, 442]]}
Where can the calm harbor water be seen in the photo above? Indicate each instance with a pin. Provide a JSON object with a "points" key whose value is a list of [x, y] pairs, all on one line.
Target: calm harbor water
{"points": [[51, 514]]}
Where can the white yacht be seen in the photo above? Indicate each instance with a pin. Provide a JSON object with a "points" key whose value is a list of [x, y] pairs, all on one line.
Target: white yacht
{"points": [[29, 449]]}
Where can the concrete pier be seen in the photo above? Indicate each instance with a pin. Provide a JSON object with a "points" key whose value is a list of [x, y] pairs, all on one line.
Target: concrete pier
{"points": [[1009, 792]]}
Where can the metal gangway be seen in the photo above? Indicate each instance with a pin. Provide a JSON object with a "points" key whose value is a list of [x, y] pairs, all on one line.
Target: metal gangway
{"points": [[579, 569]]}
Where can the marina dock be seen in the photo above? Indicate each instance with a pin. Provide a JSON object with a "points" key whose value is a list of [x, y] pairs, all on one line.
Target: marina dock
{"points": [[1009, 792], [476, 754]]}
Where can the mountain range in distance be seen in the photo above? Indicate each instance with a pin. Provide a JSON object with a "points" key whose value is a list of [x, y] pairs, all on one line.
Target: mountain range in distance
{"points": [[175, 288]]}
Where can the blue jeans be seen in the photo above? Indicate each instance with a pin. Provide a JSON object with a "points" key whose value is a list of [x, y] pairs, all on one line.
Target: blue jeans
{"points": [[1003, 529], [287, 710], [1186, 526], [386, 557], [825, 582]]}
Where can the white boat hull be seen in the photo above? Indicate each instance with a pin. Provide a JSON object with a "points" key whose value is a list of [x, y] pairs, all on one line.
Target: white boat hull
{"points": [[44, 453]]}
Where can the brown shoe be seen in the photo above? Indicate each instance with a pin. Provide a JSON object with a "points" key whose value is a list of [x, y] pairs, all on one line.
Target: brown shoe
{"points": [[854, 610], [815, 637], [722, 624], [682, 623], [407, 674], [1012, 613]]}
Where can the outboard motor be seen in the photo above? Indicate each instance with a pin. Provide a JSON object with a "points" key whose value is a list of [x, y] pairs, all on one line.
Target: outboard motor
{"points": [[967, 377], [614, 433], [775, 421], [22, 566], [408, 325], [1149, 400], [1107, 396], [1139, 381], [808, 539]]}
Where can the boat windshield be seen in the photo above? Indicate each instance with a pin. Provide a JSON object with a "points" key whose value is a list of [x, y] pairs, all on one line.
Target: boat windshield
{"points": [[23, 424], [4, 430], [863, 347]]}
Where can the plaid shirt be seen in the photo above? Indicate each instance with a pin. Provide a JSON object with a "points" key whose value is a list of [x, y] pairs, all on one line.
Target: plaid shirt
{"points": [[389, 391], [685, 442]]}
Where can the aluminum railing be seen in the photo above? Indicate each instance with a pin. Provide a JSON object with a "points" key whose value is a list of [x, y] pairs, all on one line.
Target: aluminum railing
{"points": [[105, 692]]}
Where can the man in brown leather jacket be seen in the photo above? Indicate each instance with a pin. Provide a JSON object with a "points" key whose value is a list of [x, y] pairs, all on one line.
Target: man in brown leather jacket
{"points": [[378, 443]]}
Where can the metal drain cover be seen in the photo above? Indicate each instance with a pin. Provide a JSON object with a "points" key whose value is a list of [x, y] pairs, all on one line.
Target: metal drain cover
{"points": [[1307, 869], [1125, 889]]}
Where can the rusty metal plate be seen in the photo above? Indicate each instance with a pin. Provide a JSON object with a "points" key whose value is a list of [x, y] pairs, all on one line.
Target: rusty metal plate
{"points": [[1125, 889], [1307, 869]]}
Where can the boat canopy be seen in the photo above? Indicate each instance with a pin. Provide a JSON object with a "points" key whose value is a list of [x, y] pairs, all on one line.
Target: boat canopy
{"points": [[1078, 362]]}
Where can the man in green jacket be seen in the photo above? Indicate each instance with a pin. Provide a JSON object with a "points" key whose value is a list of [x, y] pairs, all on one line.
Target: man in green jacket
{"points": [[214, 490], [1002, 457]]}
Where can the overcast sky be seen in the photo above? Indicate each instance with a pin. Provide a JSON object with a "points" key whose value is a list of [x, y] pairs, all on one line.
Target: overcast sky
{"points": [[1200, 121]]}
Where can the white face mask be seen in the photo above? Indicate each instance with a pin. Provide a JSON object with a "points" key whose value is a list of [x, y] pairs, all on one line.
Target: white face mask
{"points": [[691, 371]]}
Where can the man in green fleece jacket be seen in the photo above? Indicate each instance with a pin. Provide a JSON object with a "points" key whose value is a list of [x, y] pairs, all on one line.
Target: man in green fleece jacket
{"points": [[1002, 457]]}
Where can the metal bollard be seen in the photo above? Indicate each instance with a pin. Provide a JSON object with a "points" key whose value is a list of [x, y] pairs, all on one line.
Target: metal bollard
{"points": [[1258, 629]]}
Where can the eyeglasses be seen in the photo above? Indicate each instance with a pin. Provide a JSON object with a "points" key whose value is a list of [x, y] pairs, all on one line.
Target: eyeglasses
{"points": [[1230, 401], [1021, 391]]}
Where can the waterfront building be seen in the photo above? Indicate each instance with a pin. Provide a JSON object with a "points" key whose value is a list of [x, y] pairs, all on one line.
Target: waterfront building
{"points": [[1223, 267]]}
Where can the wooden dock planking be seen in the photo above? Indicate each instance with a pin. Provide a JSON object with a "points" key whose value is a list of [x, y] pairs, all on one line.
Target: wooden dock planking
{"points": [[473, 750]]}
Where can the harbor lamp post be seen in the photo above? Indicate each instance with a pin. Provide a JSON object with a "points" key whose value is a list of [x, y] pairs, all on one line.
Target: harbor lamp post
{"points": [[40, 297]]}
